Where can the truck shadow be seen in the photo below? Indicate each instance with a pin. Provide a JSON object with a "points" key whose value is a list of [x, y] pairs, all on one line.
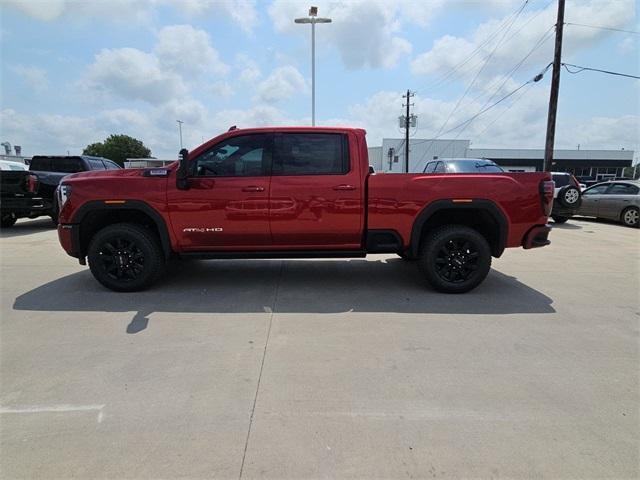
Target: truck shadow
{"points": [[27, 227], [290, 286]]}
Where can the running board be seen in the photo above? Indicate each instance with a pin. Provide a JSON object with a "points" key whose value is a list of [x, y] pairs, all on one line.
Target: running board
{"points": [[277, 254]]}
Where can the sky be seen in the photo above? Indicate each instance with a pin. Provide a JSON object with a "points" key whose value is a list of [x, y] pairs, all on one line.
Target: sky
{"points": [[74, 72]]}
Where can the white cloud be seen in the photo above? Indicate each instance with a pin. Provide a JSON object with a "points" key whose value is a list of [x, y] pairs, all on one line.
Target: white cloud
{"points": [[132, 74], [136, 12], [33, 76], [281, 84], [249, 71], [449, 51], [185, 49], [365, 32], [222, 89]]}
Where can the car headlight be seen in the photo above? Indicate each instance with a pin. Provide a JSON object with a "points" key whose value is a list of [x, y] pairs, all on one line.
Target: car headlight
{"points": [[64, 192]]}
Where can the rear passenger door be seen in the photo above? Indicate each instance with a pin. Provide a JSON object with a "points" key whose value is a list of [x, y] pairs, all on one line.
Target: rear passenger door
{"points": [[316, 198], [618, 197]]}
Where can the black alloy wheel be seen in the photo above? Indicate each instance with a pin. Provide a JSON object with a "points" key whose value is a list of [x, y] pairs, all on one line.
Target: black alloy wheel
{"points": [[125, 257], [455, 258]]}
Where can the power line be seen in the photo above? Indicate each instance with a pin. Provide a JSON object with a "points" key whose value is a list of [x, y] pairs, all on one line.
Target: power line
{"points": [[510, 19], [603, 28], [582, 69], [486, 61]]}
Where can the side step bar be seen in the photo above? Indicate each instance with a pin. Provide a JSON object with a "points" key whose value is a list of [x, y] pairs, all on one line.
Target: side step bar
{"points": [[277, 254]]}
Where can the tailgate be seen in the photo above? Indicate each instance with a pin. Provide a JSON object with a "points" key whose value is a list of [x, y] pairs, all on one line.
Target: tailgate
{"points": [[13, 182]]}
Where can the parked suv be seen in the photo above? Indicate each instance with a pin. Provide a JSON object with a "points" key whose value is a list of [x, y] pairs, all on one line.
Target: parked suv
{"points": [[567, 196]]}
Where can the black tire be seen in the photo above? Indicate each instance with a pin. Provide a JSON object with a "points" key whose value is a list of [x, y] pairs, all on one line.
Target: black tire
{"points": [[54, 213], [8, 220], [406, 258], [455, 258], [569, 196], [631, 217], [559, 219], [125, 257]]}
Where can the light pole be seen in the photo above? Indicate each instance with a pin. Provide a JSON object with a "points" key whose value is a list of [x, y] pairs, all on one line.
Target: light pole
{"points": [[313, 19], [180, 122]]}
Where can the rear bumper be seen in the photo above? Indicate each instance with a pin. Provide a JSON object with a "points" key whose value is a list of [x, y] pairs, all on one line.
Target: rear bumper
{"points": [[25, 206], [69, 237], [537, 237]]}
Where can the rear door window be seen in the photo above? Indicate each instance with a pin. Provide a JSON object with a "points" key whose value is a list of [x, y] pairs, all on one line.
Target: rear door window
{"points": [[622, 189], [95, 164], [311, 154]]}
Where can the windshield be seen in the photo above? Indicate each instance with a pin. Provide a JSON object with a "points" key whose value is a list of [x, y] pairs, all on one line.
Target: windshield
{"points": [[472, 166]]}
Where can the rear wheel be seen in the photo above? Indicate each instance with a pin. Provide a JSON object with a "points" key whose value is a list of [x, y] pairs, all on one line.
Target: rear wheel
{"points": [[559, 219], [455, 259], [125, 257], [8, 220], [630, 217]]}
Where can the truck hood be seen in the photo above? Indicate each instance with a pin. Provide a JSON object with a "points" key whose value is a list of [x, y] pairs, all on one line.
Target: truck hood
{"points": [[125, 172]]}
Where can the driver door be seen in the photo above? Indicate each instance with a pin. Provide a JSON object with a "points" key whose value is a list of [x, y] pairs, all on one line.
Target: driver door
{"points": [[591, 198], [227, 204]]}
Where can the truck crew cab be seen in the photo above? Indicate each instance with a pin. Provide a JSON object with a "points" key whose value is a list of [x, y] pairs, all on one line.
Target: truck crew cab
{"points": [[296, 192]]}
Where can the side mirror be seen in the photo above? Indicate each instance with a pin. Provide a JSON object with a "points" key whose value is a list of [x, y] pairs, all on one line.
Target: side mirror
{"points": [[182, 175]]}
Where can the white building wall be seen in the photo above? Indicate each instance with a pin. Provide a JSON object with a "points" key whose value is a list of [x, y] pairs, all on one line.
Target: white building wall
{"points": [[375, 158]]}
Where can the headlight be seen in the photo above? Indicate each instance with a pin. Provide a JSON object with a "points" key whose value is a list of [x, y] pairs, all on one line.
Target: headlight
{"points": [[64, 191]]}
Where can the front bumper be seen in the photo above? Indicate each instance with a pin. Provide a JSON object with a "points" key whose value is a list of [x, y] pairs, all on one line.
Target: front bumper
{"points": [[69, 237], [537, 237]]}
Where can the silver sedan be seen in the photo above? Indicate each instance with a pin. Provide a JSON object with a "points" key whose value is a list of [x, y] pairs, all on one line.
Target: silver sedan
{"points": [[619, 200]]}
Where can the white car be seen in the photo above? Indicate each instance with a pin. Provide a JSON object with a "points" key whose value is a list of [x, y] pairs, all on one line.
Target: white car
{"points": [[11, 165], [567, 196]]}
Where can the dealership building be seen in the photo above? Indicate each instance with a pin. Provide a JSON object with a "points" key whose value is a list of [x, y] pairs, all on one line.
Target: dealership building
{"points": [[585, 164]]}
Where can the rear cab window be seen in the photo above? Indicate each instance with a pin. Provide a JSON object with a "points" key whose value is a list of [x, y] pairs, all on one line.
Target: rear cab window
{"points": [[311, 154], [57, 164]]}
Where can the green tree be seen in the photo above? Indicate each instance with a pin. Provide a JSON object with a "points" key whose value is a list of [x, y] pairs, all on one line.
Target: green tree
{"points": [[118, 148]]}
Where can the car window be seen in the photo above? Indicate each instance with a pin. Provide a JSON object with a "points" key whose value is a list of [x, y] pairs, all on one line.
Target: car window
{"points": [[622, 189], [597, 190], [95, 164], [430, 167], [561, 180], [241, 156], [109, 165], [311, 154], [439, 168], [42, 164]]}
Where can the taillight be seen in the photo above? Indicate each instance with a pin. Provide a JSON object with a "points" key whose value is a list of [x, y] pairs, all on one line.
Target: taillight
{"points": [[546, 196], [31, 183]]}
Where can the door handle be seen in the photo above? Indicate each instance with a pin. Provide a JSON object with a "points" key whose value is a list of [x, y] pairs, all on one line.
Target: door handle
{"points": [[344, 187], [253, 188]]}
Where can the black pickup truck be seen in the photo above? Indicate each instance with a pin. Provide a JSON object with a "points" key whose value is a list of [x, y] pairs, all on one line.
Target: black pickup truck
{"points": [[32, 193]]}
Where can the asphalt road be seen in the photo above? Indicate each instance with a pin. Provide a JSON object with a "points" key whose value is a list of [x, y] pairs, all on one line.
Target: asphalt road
{"points": [[323, 369]]}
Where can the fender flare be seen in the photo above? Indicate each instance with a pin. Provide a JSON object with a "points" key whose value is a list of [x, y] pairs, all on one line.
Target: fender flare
{"points": [[158, 220], [476, 204]]}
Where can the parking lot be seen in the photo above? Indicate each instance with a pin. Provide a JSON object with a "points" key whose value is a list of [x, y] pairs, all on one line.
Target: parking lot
{"points": [[323, 369]]}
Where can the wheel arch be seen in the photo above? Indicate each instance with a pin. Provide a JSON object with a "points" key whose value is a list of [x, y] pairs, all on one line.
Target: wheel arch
{"points": [[481, 214], [96, 214]]}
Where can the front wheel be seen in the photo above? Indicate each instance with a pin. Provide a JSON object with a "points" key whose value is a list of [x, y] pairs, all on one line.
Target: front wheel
{"points": [[630, 217], [125, 257], [455, 259], [8, 220]]}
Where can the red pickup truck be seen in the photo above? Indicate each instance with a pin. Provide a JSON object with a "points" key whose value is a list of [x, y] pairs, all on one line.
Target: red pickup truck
{"points": [[291, 193]]}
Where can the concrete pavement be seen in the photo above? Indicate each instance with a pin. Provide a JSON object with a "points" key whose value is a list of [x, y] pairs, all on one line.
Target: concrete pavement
{"points": [[332, 369]]}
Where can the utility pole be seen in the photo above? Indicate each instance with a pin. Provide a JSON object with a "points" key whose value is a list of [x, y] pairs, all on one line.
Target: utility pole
{"points": [[408, 119], [180, 122], [555, 87]]}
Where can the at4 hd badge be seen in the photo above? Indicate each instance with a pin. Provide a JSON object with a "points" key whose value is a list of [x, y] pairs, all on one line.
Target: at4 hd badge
{"points": [[202, 229]]}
